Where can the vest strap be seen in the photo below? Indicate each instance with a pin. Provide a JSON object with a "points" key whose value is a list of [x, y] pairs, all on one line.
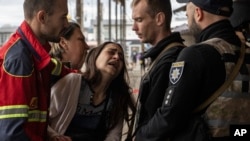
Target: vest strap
{"points": [[230, 79]]}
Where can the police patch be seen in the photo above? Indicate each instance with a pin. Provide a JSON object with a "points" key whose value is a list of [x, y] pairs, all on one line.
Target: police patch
{"points": [[176, 72]]}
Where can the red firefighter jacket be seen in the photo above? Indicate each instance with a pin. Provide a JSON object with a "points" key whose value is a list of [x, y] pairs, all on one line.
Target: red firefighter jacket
{"points": [[25, 74]]}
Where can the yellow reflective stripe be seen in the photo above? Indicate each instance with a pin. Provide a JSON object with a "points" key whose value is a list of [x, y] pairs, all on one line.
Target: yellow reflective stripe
{"points": [[13, 111], [22, 111], [58, 67], [36, 115], [13, 116]]}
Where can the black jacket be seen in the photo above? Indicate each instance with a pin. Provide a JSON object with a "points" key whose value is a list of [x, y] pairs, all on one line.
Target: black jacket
{"points": [[154, 85], [201, 73]]}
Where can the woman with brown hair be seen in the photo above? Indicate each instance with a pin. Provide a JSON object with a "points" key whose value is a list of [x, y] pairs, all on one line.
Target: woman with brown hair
{"points": [[93, 106], [72, 48]]}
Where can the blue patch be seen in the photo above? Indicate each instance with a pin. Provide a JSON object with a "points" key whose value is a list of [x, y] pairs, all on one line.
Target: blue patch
{"points": [[18, 60], [176, 71]]}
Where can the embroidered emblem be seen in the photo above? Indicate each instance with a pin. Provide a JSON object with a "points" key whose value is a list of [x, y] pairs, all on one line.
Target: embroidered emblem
{"points": [[176, 72], [34, 103]]}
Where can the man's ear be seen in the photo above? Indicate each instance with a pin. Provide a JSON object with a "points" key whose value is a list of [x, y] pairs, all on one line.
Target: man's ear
{"points": [[198, 14], [41, 16], [160, 18]]}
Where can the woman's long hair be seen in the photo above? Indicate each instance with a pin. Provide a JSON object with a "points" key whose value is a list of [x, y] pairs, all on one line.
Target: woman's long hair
{"points": [[124, 104]]}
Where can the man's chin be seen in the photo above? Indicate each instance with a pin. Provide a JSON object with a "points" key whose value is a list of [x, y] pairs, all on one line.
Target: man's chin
{"points": [[142, 40]]}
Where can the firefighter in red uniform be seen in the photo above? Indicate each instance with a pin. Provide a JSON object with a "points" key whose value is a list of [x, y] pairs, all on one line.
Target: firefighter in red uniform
{"points": [[26, 69]]}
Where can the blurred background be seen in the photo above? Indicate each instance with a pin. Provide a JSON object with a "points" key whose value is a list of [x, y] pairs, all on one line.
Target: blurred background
{"points": [[110, 20], [101, 20]]}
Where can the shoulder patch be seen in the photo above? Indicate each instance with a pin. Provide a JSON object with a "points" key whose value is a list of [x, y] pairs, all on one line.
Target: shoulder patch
{"points": [[176, 72], [18, 61]]}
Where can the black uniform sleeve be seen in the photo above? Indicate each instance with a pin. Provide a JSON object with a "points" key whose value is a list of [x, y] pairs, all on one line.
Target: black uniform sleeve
{"points": [[153, 87], [188, 87]]}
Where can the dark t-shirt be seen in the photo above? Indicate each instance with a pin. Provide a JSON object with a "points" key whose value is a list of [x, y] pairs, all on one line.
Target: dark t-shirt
{"points": [[88, 121]]}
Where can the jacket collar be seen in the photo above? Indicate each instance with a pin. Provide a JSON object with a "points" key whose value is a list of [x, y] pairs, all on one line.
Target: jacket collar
{"points": [[39, 51], [221, 29], [153, 52]]}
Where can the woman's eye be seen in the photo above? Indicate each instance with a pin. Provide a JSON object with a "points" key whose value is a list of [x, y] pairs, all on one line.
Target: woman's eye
{"points": [[111, 52]]}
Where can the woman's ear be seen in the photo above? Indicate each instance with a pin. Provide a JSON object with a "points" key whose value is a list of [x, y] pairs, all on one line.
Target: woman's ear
{"points": [[63, 43]]}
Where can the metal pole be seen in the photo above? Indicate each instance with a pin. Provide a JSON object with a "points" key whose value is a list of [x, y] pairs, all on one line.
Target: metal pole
{"points": [[116, 28], [109, 20], [124, 25], [121, 24], [79, 12], [98, 22]]}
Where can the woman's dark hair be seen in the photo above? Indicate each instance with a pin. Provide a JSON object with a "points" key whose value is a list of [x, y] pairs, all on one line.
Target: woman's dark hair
{"points": [[56, 50], [68, 31], [121, 91]]}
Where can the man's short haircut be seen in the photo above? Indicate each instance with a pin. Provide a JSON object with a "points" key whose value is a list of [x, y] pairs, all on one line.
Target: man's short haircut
{"points": [[31, 7], [156, 6]]}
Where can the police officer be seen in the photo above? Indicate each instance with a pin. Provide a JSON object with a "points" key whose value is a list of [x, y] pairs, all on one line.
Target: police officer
{"points": [[152, 20], [198, 72]]}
